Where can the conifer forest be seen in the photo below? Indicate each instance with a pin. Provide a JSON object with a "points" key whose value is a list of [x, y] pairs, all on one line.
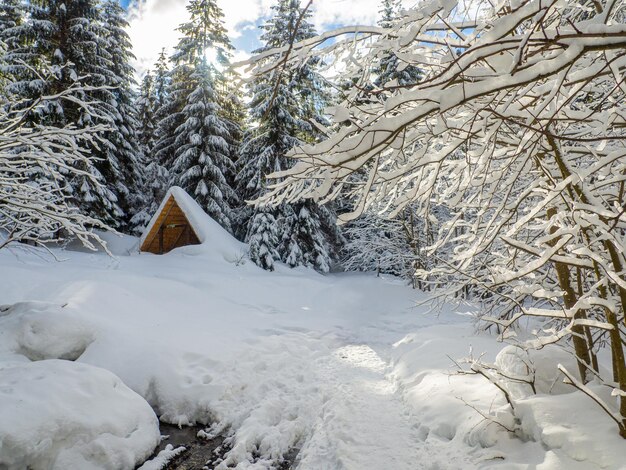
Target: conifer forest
{"points": [[324, 235]]}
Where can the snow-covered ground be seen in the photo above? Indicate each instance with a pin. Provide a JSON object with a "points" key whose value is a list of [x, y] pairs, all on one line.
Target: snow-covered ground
{"points": [[343, 368]]}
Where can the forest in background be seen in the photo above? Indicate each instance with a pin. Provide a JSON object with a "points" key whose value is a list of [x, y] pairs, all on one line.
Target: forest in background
{"points": [[480, 151], [190, 122]]}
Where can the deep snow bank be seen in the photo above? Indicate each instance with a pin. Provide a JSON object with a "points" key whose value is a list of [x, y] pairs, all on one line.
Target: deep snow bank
{"points": [[42, 330], [63, 415], [553, 427]]}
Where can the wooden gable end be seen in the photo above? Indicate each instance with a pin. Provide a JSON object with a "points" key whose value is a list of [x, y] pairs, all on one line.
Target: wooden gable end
{"points": [[171, 230]]}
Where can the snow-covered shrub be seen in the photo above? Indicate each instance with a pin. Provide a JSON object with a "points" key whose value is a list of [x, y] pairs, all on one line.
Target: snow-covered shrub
{"points": [[536, 370]]}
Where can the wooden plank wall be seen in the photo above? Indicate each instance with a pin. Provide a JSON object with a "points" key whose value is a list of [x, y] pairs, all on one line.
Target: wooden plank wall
{"points": [[171, 230]]}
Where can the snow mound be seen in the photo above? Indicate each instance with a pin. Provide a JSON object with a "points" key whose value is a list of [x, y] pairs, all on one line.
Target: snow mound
{"points": [[42, 330], [213, 237], [553, 422], [537, 366], [88, 419]]}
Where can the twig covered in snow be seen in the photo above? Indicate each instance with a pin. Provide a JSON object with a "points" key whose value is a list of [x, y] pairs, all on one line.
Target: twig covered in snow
{"points": [[36, 161], [571, 380], [163, 458]]}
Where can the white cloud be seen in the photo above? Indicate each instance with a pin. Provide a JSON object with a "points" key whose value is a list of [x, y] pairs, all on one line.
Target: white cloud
{"points": [[345, 12], [153, 26], [153, 23]]}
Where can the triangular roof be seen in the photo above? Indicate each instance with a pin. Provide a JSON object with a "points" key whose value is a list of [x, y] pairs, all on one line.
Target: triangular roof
{"points": [[178, 221], [202, 228]]}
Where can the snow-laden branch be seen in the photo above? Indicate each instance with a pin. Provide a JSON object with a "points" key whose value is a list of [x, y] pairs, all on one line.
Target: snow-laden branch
{"points": [[36, 161], [517, 127]]}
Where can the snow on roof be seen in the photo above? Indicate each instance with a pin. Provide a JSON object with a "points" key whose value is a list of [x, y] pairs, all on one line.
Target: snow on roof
{"points": [[208, 231]]}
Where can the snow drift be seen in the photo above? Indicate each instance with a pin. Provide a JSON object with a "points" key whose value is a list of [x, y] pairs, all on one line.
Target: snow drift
{"points": [[63, 415]]}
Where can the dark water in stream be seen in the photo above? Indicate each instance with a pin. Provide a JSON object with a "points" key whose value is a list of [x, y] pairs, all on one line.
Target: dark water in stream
{"points": [[201, 453]]}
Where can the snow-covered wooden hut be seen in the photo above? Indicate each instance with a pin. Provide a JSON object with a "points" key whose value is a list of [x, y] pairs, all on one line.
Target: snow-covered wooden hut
{"points": [[178, 222]]}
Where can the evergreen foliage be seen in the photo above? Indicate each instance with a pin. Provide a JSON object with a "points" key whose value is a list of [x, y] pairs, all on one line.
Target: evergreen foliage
{"points": [[150, 104], [195, 140], [263, 239], [146, 109], [233, 113], [11, 16], [283, 105], [124, 157], [202, 151], [57, 45]]}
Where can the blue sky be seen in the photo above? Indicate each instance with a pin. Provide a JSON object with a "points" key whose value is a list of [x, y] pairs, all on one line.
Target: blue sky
{"points": [[153, 23]]}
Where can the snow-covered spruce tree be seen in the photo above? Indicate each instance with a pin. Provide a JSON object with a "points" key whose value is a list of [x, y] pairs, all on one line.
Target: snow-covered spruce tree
{"points": [[23, 58], [281, 110], [154, 178], [152, 112], [263, 239], [203, 32], [230, 96], [169, 116], [11, 15], [161, 79], [521, 136], [146, 113], [193, 139], [202, 151], [123, 158], [72, 38]]}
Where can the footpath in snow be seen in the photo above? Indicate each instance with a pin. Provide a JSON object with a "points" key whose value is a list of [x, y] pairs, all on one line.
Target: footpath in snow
{"points": [[342, 369], [365, 423]]}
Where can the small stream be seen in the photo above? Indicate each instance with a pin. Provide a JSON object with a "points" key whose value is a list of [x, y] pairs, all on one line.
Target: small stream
{"points": [[201, 453]]}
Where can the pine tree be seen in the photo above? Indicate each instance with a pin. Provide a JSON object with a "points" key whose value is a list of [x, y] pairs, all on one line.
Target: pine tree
{"points": [[304, 241], [263, 239], [59, 45], [389, 12], [202, 151], [11, 16], [55, 45], [124, 157], [270, 136], [169, 118], [152, 97], [146, 110], [233, 113], [193, 136], [281, 110], [161, 79]]}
